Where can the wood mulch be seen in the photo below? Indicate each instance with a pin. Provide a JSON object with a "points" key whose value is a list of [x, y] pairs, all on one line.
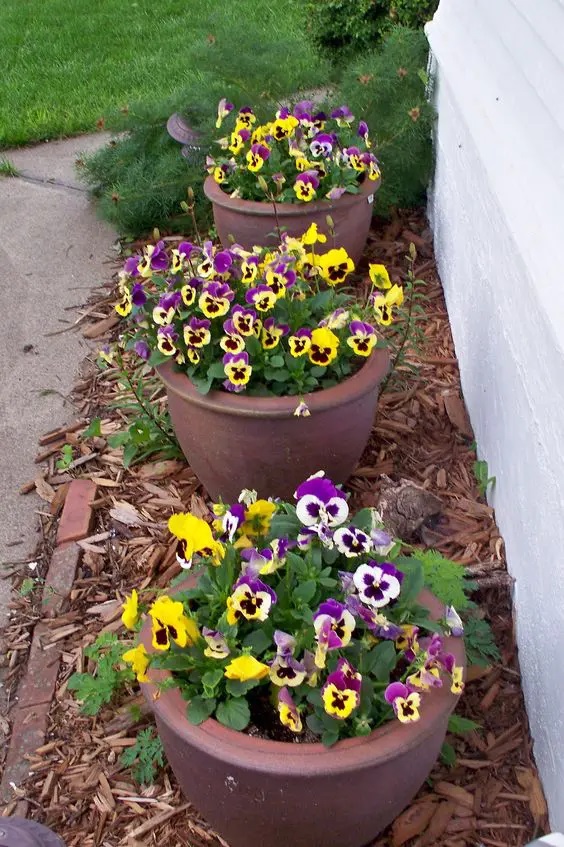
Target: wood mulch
{"points": [[77, 785]]}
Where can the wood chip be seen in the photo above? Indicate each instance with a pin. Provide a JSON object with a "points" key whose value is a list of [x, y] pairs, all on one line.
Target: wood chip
{"points": [[411, 823]]}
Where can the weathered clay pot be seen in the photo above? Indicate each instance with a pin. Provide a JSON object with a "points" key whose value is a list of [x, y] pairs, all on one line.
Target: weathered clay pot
{"points": [[235, 441], [276, 794], [251, 222]]}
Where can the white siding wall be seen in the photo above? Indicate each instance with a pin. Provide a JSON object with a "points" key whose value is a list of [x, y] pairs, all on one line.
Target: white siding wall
{"points": [[497, 210]]}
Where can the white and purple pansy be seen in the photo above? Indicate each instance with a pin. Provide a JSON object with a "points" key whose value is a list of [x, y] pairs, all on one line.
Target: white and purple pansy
{"points": [[382, 541], [232, 520], [341, 623], [322, 144], [217, 647], [351, 541], [319, 501], [251, 599], [377, 583], [453, 622], [342, 115]]}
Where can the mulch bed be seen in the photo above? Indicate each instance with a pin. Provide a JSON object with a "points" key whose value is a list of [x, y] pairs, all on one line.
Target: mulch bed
{"points": [[77, 785]]}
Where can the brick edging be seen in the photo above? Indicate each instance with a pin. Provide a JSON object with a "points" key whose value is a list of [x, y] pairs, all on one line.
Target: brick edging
{"points": [[37, 686]]}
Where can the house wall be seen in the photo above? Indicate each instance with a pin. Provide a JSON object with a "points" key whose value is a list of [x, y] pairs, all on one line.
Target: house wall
{"points": [[497, 211]]}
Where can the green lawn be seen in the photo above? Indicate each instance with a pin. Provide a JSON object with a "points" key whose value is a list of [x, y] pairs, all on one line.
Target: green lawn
{"points": [[66, 63]]}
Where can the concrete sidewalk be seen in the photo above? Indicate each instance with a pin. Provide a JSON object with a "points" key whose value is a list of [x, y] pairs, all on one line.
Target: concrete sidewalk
{"points": [[52, 254]]}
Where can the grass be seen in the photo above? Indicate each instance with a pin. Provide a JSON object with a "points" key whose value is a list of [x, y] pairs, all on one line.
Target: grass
{"points": [[67, 63], [7, 168]]}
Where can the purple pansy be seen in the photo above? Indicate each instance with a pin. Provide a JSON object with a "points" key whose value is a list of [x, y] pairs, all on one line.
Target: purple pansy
{"points": [[336, 192], [320, 502], [362, 130], [322, 144], [342, 114], [142, 349], [376, 622], [131, 265], [351, 541], [222, 261], [454, 622], [138, 296], [378, 584]]}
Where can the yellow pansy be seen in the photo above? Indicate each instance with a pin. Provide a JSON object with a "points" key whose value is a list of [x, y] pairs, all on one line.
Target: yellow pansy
{"points": [[245, 668], [130, 614], [138, 658]]}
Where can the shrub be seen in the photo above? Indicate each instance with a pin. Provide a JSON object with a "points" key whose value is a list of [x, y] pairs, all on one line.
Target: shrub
{"points": [[339, 29], [387, 87]]}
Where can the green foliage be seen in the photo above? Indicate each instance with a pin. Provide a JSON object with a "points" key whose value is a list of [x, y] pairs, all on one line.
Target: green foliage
{"points": [[481, 473], [149, 431], [66, 458], [459, 725], [95, 690], [144, 757], [387, 88], [141, 178], [28, 585], [445, 578], [7, 168], [340, 29], [481, 648]]}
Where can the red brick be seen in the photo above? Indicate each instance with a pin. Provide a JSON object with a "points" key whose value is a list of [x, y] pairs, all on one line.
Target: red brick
{"points": [[60, 577], [29, 729], [40, 679], [77, 511]]}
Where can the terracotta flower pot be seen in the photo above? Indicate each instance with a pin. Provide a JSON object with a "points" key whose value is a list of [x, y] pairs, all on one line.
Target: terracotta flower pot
{"points": [[251, 222], [277, 794], [235, 441]]}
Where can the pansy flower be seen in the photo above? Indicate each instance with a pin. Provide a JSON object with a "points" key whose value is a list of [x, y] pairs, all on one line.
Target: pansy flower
{"points": [[384, 304], [194, 536], [197, 332], [249, 270], [231, 342], [139, 660], [342, 115], [313, 236], [125, 305], [404, 701], [371, 168], [217, 645], [243, 320], [379, 276], [251, 599], [220, 174], [341, 623], [223, 109], [245, 668], [322, 144], [335, 265], [205, 268], [453, 622], [130, 613], [302, 164], [283, 127], [457, 685], [166, 340], [138, 296], [377, 584], [336, 320], [262, 297], [287, 711], [284, 668], [188, 292], [408, 641], [215, 300], [302, 410], [351, 541], [300, 342], [222, 261], [353, 157], [324, 346], [180, 256], [246, 117], [154, 259], [272, 333], [258, 515], [362, 131], [340, 694], [319, 501], [169, 622], [376, 622], [165, 310], [306, 185], [237, 369], [336, 192], [279, 278], [238, 139], [142, 349], [257, 156], [362, 338]]}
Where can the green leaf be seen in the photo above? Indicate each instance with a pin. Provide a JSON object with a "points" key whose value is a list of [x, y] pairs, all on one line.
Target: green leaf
{"points": [[199, 709], [238, 687], [413, 581], [173, 662], [276, 362], [258, 641], [211, 679], [157, 358], [129, 454], [380, 661], [448, 755], [234, 713], [363, 520], [305, 591], [216, 371], [459, 725], [94, 428], [330, 737], [118, 439]]}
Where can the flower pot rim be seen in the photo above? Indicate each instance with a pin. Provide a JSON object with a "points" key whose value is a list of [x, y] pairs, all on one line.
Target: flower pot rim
{"points": [[282, 757], [245, 405], [216, 195]]}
